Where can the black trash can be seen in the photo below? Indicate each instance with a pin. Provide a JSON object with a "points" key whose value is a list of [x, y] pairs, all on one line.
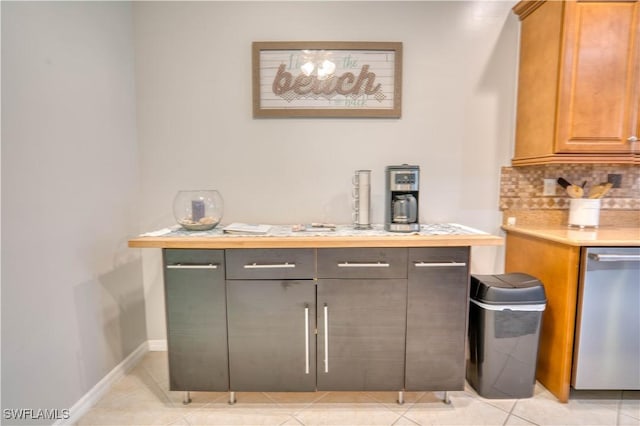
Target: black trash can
{"points": [[505, 313]]}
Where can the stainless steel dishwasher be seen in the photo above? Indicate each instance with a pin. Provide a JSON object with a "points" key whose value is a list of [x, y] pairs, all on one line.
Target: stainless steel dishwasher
{"points": [[607, 343]]}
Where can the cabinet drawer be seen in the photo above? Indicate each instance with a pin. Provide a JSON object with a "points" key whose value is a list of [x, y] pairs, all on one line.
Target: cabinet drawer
{"points": [[422, 260], [195, 260], [362, 263], [269, 264]]}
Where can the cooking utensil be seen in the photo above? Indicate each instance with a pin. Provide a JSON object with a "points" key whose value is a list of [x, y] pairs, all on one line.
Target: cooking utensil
{"points": [[574, 191], [600, 190]]}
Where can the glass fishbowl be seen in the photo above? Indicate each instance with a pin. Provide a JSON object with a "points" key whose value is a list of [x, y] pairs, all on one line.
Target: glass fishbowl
{"points": [[198, 210]]}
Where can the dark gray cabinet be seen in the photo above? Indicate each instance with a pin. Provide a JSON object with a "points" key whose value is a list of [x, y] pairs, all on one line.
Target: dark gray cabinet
{"points": [[361, 319], [271, 335], [366, 263], [271, 319], [196, 319], [437, 318], [348, 319], [361, 334], [265, 264]]}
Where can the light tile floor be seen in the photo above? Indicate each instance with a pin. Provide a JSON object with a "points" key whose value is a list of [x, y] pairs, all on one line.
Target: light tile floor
{"points": [[142, 397]]}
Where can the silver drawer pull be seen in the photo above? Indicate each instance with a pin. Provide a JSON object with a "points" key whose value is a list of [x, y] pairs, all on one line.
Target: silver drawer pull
{"points": [[363, 265], [306, 339], [437, 264], [181, 266], [615, 257], [285, 265]]}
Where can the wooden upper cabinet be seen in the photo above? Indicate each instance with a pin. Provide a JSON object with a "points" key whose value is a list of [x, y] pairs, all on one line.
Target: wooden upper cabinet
{"points": [[579, 82]]}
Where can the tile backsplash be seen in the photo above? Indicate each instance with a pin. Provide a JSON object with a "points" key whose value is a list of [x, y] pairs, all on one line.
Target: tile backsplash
{"points": [[521, 188]]}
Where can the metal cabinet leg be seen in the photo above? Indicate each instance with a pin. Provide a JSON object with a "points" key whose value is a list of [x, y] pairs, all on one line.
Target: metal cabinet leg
{"points": [[446, 399], [400, 397], [232, 398], [186, 398]]}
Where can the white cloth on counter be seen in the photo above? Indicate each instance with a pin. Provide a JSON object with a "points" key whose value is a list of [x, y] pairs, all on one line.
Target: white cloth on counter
{"points": [[340, 231]]}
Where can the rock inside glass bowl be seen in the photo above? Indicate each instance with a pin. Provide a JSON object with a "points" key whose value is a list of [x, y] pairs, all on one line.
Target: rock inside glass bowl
{"points": [[198, 210]]}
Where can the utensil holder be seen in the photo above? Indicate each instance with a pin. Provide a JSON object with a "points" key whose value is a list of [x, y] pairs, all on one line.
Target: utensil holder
{"points": [[584, 212]]}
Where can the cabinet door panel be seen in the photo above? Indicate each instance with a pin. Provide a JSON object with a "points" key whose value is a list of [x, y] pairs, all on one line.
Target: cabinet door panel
{"points": [[268, 341], [196, 320], [540, 48], [437, 308], [366, 334], [597, 102]]}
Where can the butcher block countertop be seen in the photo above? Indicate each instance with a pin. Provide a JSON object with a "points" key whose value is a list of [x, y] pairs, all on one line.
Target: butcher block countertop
{"points": [[611, 236], [282, 236]]}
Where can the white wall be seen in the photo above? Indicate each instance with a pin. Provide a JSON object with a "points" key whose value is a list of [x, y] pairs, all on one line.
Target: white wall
{"points": [[195, 125], [72, 296], [76, 186]]}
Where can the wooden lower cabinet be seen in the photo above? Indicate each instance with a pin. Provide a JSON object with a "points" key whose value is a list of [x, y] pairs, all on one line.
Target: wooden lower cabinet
{"points": [[556, 265]]}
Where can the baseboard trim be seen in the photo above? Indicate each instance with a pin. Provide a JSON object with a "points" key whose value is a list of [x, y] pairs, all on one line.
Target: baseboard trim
{"points": [[89, 399], [158, 345]]}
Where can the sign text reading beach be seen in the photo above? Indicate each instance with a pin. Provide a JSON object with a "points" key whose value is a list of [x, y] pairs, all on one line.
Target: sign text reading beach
{"points": [[345, 84]]}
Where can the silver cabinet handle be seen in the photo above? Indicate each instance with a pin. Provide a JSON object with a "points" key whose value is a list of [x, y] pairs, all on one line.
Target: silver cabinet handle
{"points": [[363, 265], [437, 264], [615, 257], [269, 265], [632, 139], [181, 266], [326, 338], [306, 339]]}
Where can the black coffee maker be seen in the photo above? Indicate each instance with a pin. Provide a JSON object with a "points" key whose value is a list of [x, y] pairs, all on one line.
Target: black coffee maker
{"points": [[401, 207]]}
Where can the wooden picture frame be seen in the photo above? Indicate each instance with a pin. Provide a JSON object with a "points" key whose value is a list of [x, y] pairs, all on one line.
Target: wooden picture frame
{"points": [[327, 79]]}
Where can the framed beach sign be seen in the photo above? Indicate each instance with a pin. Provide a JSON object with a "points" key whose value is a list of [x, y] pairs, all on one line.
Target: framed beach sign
{"points": [[327, 79]]}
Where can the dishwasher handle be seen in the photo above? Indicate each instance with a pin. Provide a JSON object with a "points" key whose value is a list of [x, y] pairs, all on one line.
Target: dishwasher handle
{"points": [[614, 257]]}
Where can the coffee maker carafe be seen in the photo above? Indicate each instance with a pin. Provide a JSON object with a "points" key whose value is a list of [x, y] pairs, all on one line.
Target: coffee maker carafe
{"points": [[405, 208], [401, 213]]}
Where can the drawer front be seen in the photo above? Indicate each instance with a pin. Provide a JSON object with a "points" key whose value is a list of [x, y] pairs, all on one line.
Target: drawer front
{"points": [[270, 264], [362, 263], [427, 259], [195, 260]]}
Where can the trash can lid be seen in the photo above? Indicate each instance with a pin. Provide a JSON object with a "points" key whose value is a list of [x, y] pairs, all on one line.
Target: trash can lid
{"points": [[515, 289]]}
